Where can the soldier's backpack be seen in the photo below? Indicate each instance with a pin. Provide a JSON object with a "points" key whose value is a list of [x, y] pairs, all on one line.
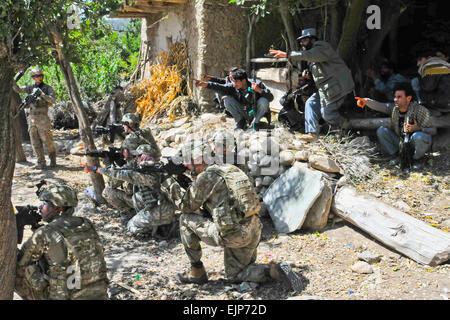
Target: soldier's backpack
{"points": [[240, 187]]}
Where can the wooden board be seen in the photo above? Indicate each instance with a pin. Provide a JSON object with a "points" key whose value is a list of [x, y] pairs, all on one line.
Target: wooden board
{"points": [[373, 123], [407, 235]]}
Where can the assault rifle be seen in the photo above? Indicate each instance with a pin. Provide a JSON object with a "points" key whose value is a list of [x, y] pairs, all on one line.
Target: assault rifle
{"points": [[113, 155], [113, 130], [406, 150], [29, 99], [28, 216], [170, 168]]}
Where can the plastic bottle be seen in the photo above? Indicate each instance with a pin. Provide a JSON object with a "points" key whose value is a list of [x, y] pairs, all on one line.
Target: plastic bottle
{"points": [[90, 192]]}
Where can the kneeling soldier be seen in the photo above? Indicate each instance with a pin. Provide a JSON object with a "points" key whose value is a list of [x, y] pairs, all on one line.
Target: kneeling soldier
{"points": [[152, 205], [221, 209], [63, 260]]}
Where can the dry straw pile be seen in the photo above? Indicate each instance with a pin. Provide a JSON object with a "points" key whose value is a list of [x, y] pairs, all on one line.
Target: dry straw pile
{"points": [[165, 93]]}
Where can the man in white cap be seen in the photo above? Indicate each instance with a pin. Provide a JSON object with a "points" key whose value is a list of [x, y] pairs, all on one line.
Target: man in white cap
{"points": [[331, 76]]}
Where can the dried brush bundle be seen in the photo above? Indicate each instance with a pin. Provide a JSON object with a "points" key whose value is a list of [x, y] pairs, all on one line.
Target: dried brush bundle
{"points": [[353, 155]]}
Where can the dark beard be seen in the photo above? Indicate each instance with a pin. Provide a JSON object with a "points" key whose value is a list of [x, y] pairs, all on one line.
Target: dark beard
{"points": [[385, 77], [308, 46]]}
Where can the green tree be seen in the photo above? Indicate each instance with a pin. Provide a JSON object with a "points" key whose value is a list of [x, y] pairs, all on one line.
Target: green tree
{"points": [[34, 31]]}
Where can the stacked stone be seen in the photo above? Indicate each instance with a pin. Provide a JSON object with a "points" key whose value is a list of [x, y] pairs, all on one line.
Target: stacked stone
{"points": [[260, 155]]}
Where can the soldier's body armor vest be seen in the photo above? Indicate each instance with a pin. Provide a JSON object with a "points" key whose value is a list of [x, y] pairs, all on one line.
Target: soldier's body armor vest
{"points": [[240, 188], [84, 258], [39, 108]]}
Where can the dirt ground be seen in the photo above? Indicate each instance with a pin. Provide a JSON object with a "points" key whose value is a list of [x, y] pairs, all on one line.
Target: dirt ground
{"points": [[145, 268]]}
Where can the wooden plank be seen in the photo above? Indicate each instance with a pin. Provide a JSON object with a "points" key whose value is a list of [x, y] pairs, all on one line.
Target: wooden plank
{"points": [[170, 1], [268, 60], [272, 74], [125, 15], [407, 235], [373, 123]]}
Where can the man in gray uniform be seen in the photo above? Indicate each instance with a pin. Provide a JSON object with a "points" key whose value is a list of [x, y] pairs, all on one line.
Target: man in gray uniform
{"points": [[331, 76]]}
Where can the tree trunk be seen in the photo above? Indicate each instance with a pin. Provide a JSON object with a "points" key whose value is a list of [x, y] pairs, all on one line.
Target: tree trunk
{"points": [[288, 25], [352, 21], [393, 43], [8, 231], [248, 50], [336, 24], [17, 128], [83, 122], [391, 11]]}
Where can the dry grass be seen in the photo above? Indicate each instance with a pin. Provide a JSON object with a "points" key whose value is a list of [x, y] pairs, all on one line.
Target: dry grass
{"points": [[165, 92]]}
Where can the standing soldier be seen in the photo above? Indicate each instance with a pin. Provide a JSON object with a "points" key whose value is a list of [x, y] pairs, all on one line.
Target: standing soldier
{"points": [[221, 209], [63, 260], [39, 125]]}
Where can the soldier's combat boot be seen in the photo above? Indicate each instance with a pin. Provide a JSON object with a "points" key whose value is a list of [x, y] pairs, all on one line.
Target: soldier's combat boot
{"points": [[197, 275], [309, 137], [40, 165], [52, 157], [283, 272]]}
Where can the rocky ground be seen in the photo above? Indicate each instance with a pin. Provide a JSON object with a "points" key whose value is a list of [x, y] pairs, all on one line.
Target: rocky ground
{"points": [[330, 262]]}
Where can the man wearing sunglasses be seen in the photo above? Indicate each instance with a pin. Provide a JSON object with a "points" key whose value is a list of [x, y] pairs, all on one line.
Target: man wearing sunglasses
{"points": [[39, 125]]}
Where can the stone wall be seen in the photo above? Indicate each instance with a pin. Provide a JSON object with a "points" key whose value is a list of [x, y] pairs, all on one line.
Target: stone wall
{"points": [[215, 32], [216, 37]]}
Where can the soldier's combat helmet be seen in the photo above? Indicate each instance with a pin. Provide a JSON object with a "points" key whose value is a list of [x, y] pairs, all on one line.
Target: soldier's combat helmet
{"points": [[146, 149], [130, 143], [36, 72], [60, 195], [131, 118]]}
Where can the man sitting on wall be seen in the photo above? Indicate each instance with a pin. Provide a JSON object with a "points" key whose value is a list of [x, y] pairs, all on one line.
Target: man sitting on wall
{"points": [[410, 123], [227, 80], [331, 76], [247, 99]]}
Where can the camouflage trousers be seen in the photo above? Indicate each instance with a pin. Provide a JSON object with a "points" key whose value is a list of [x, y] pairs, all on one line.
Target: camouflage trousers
{"points": [[31, 284], [150, 217], [240, 247], [93, 292], [117, 198], [39, 128]]}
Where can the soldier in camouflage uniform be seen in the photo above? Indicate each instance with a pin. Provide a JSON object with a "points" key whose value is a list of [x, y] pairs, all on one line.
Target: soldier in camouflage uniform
{"points": [[224, 149], [135, 134], [152, 205], [39, 125], [118, 193], [221, 209], [63, 260]]}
